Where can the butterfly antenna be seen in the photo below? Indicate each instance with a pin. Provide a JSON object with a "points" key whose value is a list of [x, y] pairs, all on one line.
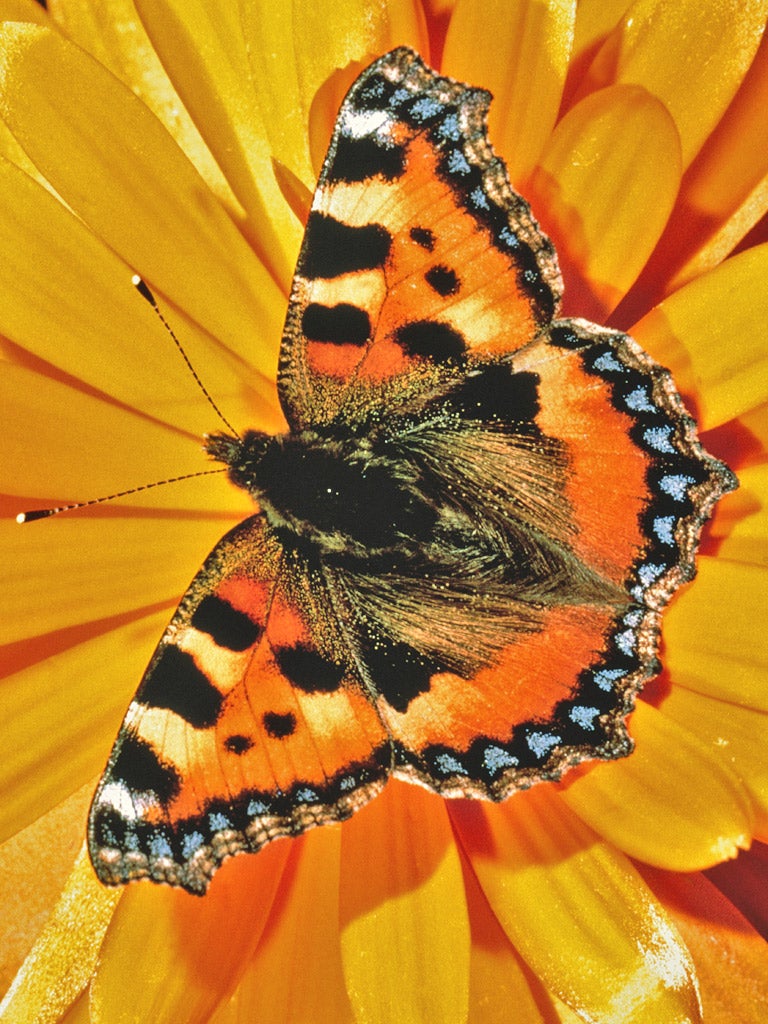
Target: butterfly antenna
{"points": [[143, 289], [43, 513]]}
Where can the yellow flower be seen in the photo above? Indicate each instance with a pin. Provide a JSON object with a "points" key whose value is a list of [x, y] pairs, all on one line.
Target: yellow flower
{"points": [[638, 134]]}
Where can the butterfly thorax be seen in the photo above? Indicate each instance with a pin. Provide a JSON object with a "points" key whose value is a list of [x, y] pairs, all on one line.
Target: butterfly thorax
{"points": [[335, 491]]}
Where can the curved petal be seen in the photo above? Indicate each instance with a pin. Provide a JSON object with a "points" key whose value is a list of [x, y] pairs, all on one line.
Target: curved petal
{"points": [[303, 929], [401, 907], [711, 334], [188, 952], [673, 802], [113, 34], [713, 645], [204, 50], [734, 735], [577, 911], [91, 569], [604, 187], [520, 53], [304, 56], [739, 531], [136, 189], [731, 958], [723, 195], [65, 955], [692, 58], [59, 280], [61, 714]]}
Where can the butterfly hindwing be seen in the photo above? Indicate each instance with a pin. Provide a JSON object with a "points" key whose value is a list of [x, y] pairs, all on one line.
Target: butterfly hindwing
{"points": [[244, 729]]}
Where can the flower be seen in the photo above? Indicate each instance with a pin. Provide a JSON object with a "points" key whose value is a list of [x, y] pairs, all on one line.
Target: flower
{"points": [[637, 135]]}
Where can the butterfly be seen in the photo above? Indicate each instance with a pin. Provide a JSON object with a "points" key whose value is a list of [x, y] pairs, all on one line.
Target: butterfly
{"points": [[463, 543]]}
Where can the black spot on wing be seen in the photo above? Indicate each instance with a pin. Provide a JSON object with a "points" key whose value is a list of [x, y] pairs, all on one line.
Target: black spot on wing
{"points": [[139, 769], [332, 248], [443, 280], [238, 744], [226, 626], [279, 725], [343, 324], [308, 670], [176, 683], [495, 393], [432, 340], [398, 672], [423, 237], [360, 159]]}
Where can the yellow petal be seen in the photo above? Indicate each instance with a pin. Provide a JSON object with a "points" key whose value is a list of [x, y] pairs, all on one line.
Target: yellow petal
{"points": [[577, 911], [66, 297], [136, 189], [498, 977], [64, 957], [402, 907], [34, 867], [62, 442], [204, 50], [714, 639], [112, 33], [734, 735], [60, 716], [672, 802], [70, 572], [691, 57], [520, 52], [305, 55], [303, 930], [740, 528], [731, 958], [725, 192], [187, 952], [712, 335], [603, 190]]}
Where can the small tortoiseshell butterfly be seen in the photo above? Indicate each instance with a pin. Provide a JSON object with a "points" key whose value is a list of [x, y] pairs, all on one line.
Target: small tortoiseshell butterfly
{"points": [[464, 541]]}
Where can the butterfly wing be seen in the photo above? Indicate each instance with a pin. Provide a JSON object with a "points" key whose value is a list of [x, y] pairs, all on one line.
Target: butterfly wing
{"points": [[247, 726], [416, 251]]}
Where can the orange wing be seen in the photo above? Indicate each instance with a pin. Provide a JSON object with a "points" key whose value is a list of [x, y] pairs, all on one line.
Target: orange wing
{"points": [[417, 250], [247, 726]]}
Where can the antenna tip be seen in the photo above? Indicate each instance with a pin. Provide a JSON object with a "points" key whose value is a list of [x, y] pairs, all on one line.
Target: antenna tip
{"points": [[142, 288], [30, 517]]}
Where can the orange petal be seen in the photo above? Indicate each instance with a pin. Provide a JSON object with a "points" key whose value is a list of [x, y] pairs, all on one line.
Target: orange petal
{"points": [[61, 715], [692, 59], [577, 911], [189, 952], [65, 955], [303, 930], [712, 336], [603, 190], [714, 642], [520, 52], [731, 958], [739, 531], [136, 189], [734, 735], [673, 802], [402, 907]]}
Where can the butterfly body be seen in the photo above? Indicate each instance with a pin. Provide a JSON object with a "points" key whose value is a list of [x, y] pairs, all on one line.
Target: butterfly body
{"points": [[463, 542]]}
